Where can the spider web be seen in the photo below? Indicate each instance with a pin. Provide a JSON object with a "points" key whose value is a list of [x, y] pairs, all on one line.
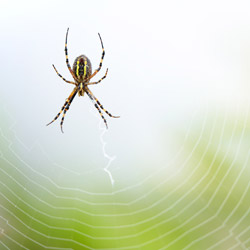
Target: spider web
{"points": [[204, 204], [179, 177]]}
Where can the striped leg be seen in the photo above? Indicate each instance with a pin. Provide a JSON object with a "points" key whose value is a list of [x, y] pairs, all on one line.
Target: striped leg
{"points": [[65, 104], [100, 65], [66, 109], [97, 107], [100, 105], [62, 76], [99, 80], [66, 54]]}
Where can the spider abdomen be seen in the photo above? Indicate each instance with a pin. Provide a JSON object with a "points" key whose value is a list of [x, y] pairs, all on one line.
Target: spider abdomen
{"points": [[82, 68]]}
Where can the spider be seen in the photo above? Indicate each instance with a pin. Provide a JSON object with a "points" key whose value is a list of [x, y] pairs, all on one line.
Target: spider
{"points": [[82, 73]]}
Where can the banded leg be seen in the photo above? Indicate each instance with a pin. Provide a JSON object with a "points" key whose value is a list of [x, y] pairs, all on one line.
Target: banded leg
{"points": [[66, 55], [62, 76], [66, 109], [100, 105], [97, 107], [100, 65], [99, 80], [65, 104]]}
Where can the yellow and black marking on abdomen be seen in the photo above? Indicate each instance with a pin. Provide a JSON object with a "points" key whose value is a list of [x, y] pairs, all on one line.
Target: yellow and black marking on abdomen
{"points": [[82, 68]]}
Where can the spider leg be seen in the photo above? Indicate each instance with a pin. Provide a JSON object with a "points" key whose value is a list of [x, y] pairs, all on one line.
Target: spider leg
{"points": [[66, 55], [65, 104], [66, 109], [90, 83], [100, 65], [97, 107], [62, 76], [100, 105]]}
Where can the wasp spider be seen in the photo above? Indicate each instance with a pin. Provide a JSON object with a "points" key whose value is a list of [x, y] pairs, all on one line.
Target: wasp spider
{"points": [[82, 73]]}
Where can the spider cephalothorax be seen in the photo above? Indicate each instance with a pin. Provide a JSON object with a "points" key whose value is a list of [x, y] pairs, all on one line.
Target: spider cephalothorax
{"points": [[82, 73]]}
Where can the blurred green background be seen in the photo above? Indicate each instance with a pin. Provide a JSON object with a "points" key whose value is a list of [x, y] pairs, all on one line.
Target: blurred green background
{"points": [[172, 172]]}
